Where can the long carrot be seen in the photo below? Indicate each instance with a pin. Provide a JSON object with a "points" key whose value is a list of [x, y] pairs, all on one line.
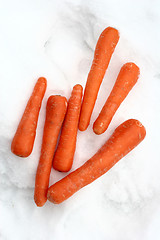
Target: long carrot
{"points": [[126, 137], [126, 79], [64, 154], [23, 141], [55, 113], [103, 52]]}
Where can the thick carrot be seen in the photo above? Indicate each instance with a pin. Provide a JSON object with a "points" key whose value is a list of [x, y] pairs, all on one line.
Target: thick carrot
{"points": [[23, 141], [55, 113], [103, 52], [126, 79], [64, 154], [126, 137]]}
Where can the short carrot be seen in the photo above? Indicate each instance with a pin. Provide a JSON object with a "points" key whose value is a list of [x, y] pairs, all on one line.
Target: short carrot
{"points": [[103, 52], [126, 79], [64, 154], [23, 141], [55, 113], [125, 137]]}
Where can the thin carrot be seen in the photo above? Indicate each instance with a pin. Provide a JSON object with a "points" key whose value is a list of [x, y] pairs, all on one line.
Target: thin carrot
{"points": [[55, 113], [103, 52], [125, 137], [64, 154], [126, 79], [23, 141]]}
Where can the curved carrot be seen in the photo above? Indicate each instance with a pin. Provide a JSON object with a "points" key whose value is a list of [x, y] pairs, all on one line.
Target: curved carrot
{"points": [[103, 52], [126, 79], [23, 141], [55, 113], [64, 154], [126, 137]]}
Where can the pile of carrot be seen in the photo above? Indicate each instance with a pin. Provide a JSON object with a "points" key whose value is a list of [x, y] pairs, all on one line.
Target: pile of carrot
{"points": [[63, 118]]}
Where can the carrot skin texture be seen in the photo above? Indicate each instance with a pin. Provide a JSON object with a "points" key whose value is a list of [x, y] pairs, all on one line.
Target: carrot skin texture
{"points": [[23, 141], [126, 79], [103, 53], [125, 137], [64, 154], [55, 113]]}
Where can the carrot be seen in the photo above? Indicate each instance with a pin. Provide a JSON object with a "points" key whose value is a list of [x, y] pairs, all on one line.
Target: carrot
{"points": [[103, 52], [126, 137], [64, 154], [126, 79], [55, 113], [23, 141]]}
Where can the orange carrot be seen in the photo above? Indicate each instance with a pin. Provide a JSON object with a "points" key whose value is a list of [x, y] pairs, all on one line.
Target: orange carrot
{"points": [[55, 113], [126, 79], [103, 52], [23, 141], [64, 154], [126, 137]]}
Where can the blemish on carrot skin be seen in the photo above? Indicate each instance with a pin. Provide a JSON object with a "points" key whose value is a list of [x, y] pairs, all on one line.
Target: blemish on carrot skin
{"points": [[139, 124], [101, 125], [114, 162]]}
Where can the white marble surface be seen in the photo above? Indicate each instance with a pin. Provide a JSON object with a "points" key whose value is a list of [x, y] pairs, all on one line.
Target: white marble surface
{"points": [[56, 39]]}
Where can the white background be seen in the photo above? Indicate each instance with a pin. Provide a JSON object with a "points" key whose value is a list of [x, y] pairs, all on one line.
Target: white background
{"points": [[56, 39]]}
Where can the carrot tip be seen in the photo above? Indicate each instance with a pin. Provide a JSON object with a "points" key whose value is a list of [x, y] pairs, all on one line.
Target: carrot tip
{"points": [[39, 204], [77, 86], [43, 81], [19, 153], [61, 169], [97, 131], [50, 198], [82, 126]]}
